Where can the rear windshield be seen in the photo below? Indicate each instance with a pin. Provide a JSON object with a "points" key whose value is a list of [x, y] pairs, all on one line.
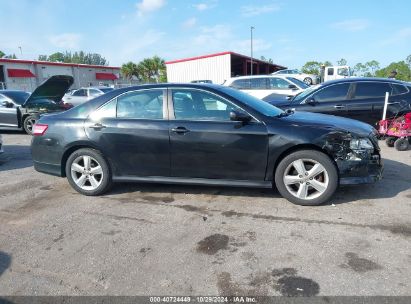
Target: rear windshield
{"points": [[16, 96]]}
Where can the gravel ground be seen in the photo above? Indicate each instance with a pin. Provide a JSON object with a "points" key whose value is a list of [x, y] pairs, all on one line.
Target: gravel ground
{"points": [[184, 240]]}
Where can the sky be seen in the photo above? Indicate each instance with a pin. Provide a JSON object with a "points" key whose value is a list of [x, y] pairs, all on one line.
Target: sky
{"points": [[290, 32]]}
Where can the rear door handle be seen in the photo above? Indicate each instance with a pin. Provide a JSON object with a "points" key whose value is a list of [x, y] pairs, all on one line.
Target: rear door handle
{"points": [[180, 130], [97, 126], [339, 106], [395, 102]]}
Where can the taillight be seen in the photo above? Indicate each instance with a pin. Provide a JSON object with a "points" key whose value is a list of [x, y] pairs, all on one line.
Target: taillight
{"points": [[39, 129]]}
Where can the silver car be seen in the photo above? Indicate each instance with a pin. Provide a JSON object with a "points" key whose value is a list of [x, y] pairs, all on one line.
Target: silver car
{"points": [[79, 96], [308, 79]]}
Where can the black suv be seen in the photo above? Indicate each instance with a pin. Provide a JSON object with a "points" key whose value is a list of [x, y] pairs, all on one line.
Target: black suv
{"points": [[357, 98]]}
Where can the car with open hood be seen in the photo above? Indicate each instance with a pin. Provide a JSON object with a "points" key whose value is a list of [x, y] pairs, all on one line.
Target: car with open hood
{"points": [[20, 110], [204, 134]]}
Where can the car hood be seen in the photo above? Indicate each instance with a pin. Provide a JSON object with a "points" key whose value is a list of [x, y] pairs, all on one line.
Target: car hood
{"points": [[53, 89], [316, 120]]}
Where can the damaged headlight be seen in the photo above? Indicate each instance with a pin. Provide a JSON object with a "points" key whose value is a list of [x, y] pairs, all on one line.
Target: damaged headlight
{"points": [[361, 144]]}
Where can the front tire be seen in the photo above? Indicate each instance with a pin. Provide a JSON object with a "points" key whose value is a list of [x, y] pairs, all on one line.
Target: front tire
{"points": [[401, 144], [308, 81], [88, 172], [306, 177], [28, 124]]}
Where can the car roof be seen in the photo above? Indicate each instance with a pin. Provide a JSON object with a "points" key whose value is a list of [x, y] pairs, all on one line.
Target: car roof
{"points": [[13, 91], [364, 79], [96, 87], [258, 76]]}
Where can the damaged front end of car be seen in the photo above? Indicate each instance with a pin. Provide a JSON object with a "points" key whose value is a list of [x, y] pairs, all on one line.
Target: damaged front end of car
{"points": [[357, 157]]}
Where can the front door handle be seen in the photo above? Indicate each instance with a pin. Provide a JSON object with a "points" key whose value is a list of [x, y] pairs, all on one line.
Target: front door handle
{"points": [[180, 130], [97, 126], [394, 102], [339, 106]]}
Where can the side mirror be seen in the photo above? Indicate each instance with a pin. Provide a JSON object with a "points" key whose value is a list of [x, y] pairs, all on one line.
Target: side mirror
{"points": [[239, 116], [7, 104], [311, 101], [293, 87]]}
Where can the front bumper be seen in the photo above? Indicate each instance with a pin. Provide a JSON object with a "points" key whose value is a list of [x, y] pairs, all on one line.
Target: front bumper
{"points": [[365, 171]]}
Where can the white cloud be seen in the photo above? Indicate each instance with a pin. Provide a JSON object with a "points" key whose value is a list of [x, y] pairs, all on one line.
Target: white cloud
{"points": [[189, 23], [66, 40], [205, 5], [147, 6], [400, 37], [351, 25], [201, 6], [254, 10], [213, 35]]}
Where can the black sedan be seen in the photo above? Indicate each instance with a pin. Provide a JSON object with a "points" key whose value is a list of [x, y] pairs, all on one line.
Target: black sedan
{"points": [[204, 134], [357, 98], [20, 110]]}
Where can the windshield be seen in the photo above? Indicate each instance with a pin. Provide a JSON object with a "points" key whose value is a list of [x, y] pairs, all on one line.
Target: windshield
{"points": [[257, 104], [305, 93], [297, 82], [16, 96]]}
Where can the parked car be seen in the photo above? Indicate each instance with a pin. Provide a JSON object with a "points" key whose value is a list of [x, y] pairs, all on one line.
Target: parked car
{"points": [[357, 98], [19, 110], [266, 87], [308, 79], [201, 81], [79, 96], [206, 135]]}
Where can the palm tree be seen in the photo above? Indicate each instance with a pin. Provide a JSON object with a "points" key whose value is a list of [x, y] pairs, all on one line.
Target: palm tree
{"points": [[130, 69]]}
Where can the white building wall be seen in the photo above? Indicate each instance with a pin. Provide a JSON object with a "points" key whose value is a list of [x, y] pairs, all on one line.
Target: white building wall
{"points": [[217, 69], [16, 83]]}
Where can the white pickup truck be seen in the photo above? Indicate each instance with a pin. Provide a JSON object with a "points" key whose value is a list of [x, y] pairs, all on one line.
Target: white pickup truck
{"points": [[337, 72]]}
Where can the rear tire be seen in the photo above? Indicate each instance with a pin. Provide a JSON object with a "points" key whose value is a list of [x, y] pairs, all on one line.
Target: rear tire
{"points": [[401, 144], [88, 172], [28, 124], [390, 141], [306, 177]]}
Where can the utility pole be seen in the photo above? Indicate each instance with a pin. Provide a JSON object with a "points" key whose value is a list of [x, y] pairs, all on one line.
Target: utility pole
{"points": [[21, 52], [252, 28]]}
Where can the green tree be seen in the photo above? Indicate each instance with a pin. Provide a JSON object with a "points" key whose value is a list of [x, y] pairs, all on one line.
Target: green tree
{"points": [[371, 67], [408, 61], [359, 69], [77, 57], [401, 67], [130, 69], [311, 67], [2, 54], [342, 61]]}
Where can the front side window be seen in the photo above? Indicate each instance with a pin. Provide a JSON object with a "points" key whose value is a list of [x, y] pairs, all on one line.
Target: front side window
{"points": [[332, 93], [94, 92], [146, 104], [366, 90], [330, 71], [278, 84], [399, 89], [201, 105]]}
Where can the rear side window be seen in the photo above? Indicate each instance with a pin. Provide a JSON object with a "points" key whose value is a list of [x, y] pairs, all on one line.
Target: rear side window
{"points": [[332, 93], [366, 90], [147, 104], [331, 71], [398, 89], [241, 84], [258, 83]]}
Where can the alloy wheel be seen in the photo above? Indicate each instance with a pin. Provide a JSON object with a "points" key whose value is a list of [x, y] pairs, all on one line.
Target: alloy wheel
{"points": [[306, 179], [86, 172]]}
